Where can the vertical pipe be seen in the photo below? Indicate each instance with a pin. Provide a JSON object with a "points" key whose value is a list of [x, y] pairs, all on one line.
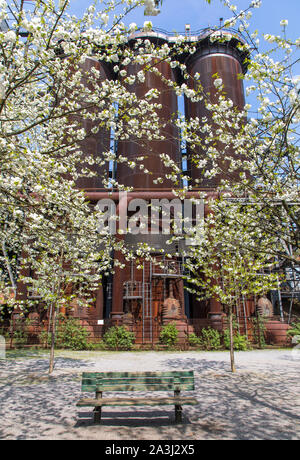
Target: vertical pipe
{"points": [[211, 59], [143, 301], [280, 300], [119, 276], [245, 316], [151, 149], [238, 315], [150, 301]]}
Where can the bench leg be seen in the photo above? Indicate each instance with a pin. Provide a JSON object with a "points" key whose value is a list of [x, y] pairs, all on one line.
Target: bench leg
{"points": [[98, 409], [178, 414], [178, 409], [97, 414]]}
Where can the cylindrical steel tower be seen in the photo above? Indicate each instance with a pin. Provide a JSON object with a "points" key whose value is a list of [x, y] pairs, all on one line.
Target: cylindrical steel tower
{"points": [[211, 59], [151, 149], [94, 144]]}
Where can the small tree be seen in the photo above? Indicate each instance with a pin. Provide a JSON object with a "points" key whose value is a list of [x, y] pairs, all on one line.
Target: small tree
{"points": [[47, 102], [64, 263], [222, 265], [255, 149]]}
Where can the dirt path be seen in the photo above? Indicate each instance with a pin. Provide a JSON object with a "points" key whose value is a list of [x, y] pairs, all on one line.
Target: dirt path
{"points": [[260, 401]]}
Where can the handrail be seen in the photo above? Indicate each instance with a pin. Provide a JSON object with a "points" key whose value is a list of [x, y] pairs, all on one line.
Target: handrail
{"points": [[199, 34]]}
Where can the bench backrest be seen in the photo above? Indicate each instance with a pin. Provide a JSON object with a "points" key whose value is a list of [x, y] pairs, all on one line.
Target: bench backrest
{"points": [[138, 381]]}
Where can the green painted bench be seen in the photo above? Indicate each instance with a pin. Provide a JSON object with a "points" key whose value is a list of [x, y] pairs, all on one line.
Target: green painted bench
{"points": [[99, 382]]}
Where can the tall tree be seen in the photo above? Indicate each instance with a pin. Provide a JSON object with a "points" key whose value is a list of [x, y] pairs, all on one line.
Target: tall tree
{"points": [[256, 149], [45, 96]]}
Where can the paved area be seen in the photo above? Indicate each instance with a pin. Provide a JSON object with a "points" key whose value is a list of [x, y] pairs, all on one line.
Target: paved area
{"points": [[260, 401]]}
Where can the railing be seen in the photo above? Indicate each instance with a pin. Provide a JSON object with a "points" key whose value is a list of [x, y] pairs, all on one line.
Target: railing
{"points": [[200, 33], [133, 290], [27, 333]]}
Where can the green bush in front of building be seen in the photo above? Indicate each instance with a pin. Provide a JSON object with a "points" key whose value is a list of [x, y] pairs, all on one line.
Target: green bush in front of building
{"points": [[240, 342], [209, 339], [118, 338], [69, 335], [169, 335]]}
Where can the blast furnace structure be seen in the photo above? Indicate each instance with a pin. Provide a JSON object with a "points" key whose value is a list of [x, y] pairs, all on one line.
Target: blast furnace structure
{"points": [[146, 299]]}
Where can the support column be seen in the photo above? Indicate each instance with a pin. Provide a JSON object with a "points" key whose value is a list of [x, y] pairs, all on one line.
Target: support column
{"points": [[181, 296], [117, 292], [119, 273], [215, 314], [99, 302]]}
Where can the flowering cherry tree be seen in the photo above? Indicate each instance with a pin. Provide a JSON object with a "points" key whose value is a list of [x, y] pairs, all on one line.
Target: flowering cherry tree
{"points": [[256, 149], [43, 103], [45, 95], [222, 263]]}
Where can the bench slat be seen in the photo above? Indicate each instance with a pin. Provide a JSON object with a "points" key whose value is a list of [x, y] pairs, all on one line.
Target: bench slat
{"points": [[119, 382], [137, 374], [136, 402], [138, 381], [138, 387], [117, 385]]}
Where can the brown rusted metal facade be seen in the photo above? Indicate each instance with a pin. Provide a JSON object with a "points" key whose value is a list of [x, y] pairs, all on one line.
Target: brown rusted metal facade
{"points": [[135, 297], [134, 148], [139, 299], [93, 144], [211, 61]]}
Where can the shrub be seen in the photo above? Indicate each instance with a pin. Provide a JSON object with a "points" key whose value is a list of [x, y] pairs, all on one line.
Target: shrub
{"points": [[45, 338], [295, 332], [169, 335], [20, 338], [194, 340], [19, 333], [118, 338], [210, 339], [71, 335], [259, 329], [98, 346], [240, 342]]}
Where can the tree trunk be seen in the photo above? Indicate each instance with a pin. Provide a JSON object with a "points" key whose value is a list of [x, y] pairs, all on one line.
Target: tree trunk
{"points": [[53, 331], [54, 312], [233, 369]]}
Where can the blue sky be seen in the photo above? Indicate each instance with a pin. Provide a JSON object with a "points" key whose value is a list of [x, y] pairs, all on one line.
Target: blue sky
{"points": [[176, 13]]}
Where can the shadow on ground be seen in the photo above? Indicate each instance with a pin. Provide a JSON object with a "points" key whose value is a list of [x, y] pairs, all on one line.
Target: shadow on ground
{"points": [[261, 402]]}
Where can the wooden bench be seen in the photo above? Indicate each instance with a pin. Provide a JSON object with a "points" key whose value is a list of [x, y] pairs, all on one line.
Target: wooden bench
{"points": [[99, 382]]}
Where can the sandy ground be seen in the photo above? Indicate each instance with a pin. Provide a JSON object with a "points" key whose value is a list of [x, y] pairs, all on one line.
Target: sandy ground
{"points": [[260, 401]]}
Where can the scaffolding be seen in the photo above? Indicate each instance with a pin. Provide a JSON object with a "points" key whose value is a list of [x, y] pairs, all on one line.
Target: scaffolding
{"points": [[138, 290], [141, 290], [289, 288]]}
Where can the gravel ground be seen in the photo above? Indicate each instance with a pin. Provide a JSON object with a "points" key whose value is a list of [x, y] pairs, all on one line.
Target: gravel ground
{"points": [[260, 401]]}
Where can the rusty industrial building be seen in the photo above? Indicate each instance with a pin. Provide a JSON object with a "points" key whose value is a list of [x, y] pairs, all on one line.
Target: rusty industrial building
{"points": [[145, 300]]}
